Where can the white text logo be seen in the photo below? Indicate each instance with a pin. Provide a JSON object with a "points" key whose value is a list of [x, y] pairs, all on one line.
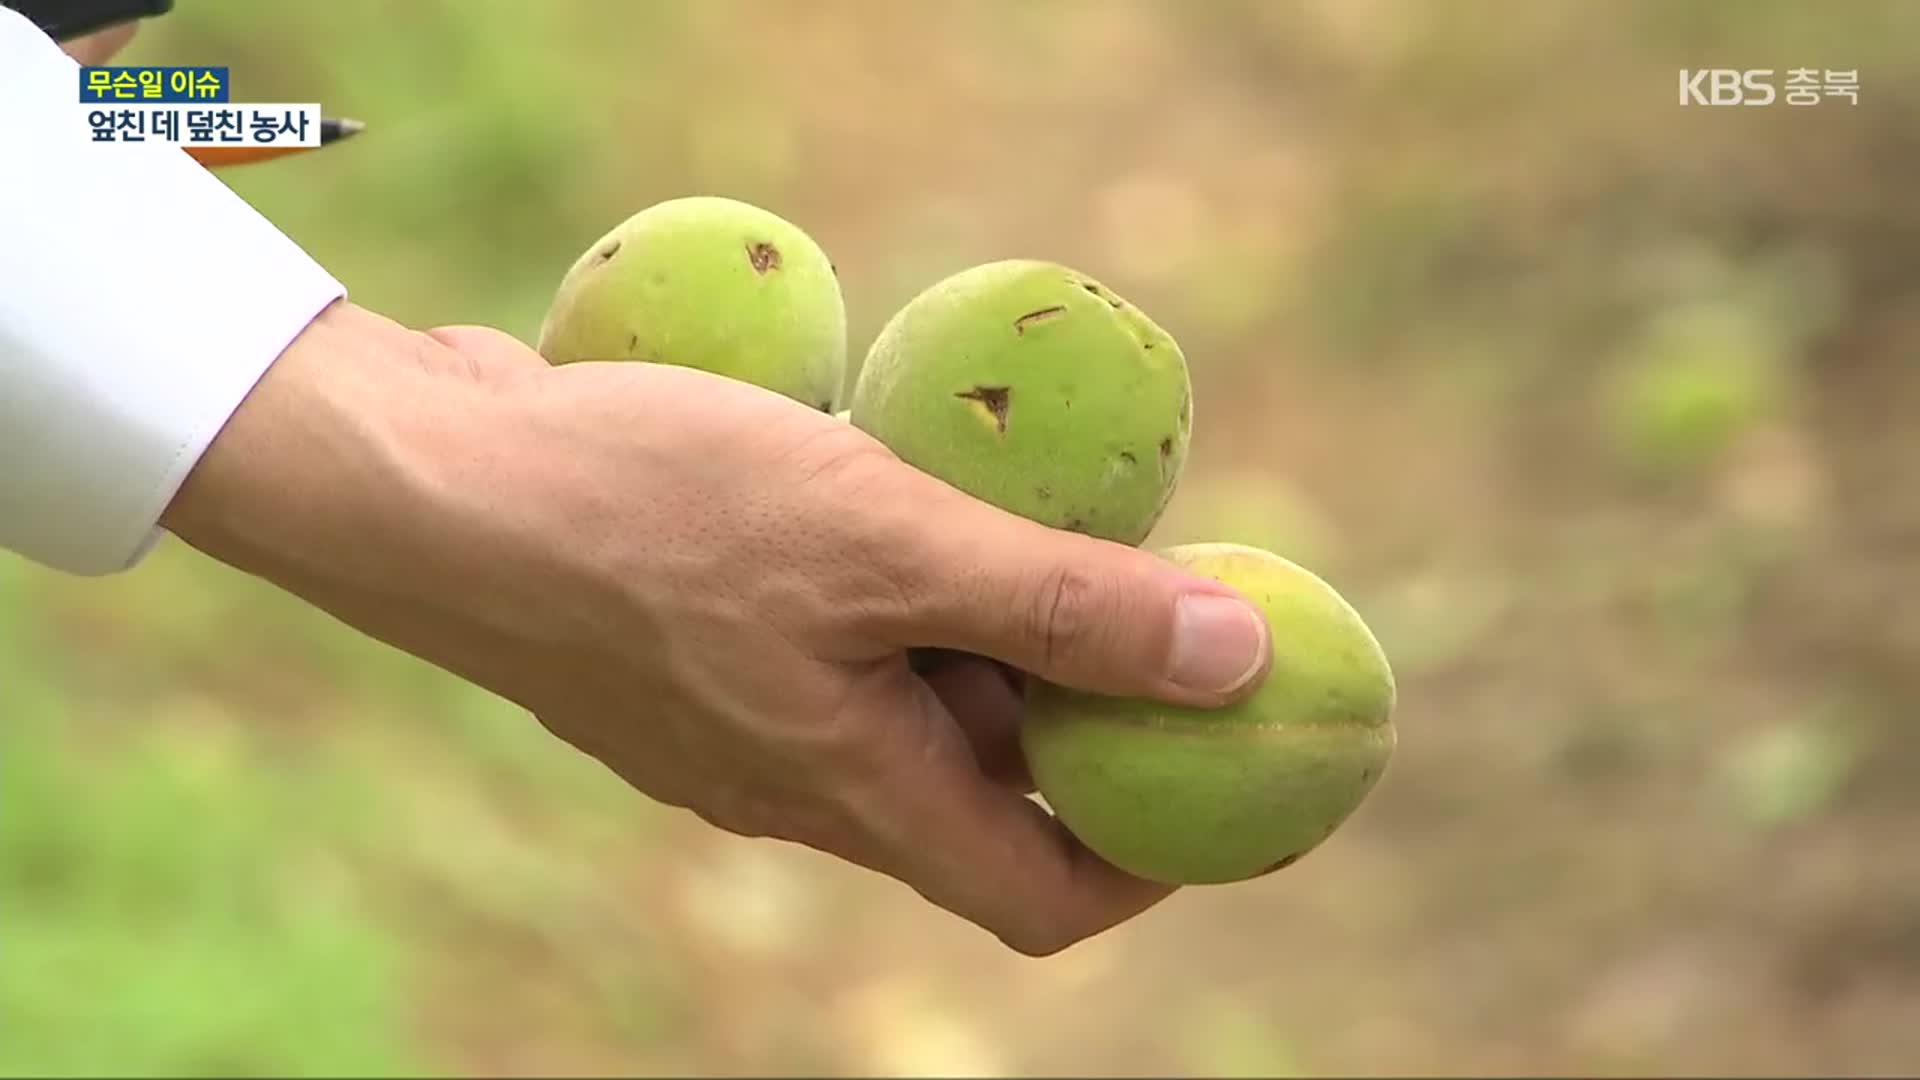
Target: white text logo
{"points": [[1757, 86]]}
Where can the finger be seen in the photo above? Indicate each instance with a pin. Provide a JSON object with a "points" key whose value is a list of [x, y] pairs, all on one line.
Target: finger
{"points": [[985, 853], [987, 707], [99, 46], [1075, 610]]}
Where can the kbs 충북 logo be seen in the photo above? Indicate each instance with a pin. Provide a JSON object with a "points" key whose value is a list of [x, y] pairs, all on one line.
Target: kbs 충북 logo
{"points": [[1758, 86]]}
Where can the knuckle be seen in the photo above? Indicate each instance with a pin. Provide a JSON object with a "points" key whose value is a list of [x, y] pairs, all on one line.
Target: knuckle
{"points": [[738, 814], [1038, 942], [797, 819], [1063, 615]]}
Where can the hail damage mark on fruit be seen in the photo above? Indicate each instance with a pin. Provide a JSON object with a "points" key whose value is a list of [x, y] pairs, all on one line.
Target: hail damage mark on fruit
{"points": [[1127, 456], [608, 252], [763, 256], [1366, 774], [1020, 324], [1103, 293], [1043, 492], [1076, 524], [825, 407], [993, 401], [633, 342]]}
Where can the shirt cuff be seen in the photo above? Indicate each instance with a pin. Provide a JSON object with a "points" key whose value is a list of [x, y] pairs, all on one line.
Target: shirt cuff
{"points": [[140, 301]]}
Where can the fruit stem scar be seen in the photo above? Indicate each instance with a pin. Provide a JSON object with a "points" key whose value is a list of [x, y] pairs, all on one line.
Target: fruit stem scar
{"points": [[994, 399], [1020, 324], [763, 256]]}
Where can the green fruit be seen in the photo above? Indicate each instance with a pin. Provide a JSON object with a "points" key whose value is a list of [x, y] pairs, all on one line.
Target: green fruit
{"points": [[707, 283], [1202, 796], [1035, 388]]}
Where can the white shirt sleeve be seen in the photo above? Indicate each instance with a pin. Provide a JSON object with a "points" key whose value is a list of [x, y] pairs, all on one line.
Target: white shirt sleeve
{"points": [[140, 301]]}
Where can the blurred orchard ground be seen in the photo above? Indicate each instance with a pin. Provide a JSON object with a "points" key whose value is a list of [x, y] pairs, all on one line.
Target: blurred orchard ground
{"points": [[1600, 409]]}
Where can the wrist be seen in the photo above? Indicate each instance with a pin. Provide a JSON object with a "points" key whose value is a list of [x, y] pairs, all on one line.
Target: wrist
{"points": [[331, 442]]}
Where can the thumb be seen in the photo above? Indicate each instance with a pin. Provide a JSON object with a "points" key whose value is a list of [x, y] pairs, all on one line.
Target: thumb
{"points": [[1085, 613]]}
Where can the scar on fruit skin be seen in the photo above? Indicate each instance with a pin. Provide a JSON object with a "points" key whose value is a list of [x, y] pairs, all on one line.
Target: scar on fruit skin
{"points": [[1044, 492], [1020, 324], [608, 252], [763, 256], [994, 399], [1127, 455], [1094, 288]]}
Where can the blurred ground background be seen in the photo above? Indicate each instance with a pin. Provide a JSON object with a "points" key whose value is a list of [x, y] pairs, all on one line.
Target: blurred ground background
{"points": [[1599, 409]]}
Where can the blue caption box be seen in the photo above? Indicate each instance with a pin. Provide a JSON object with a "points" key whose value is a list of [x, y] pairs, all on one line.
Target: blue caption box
{"points": [[155, 85]]}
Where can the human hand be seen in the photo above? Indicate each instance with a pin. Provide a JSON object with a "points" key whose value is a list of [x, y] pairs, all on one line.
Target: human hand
{"points": [[712, 589]]}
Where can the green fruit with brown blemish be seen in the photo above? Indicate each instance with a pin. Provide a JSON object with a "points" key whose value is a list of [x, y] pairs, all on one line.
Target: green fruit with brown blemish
{"points": [[1034, 387], [708, 283], [1192, 796]]}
